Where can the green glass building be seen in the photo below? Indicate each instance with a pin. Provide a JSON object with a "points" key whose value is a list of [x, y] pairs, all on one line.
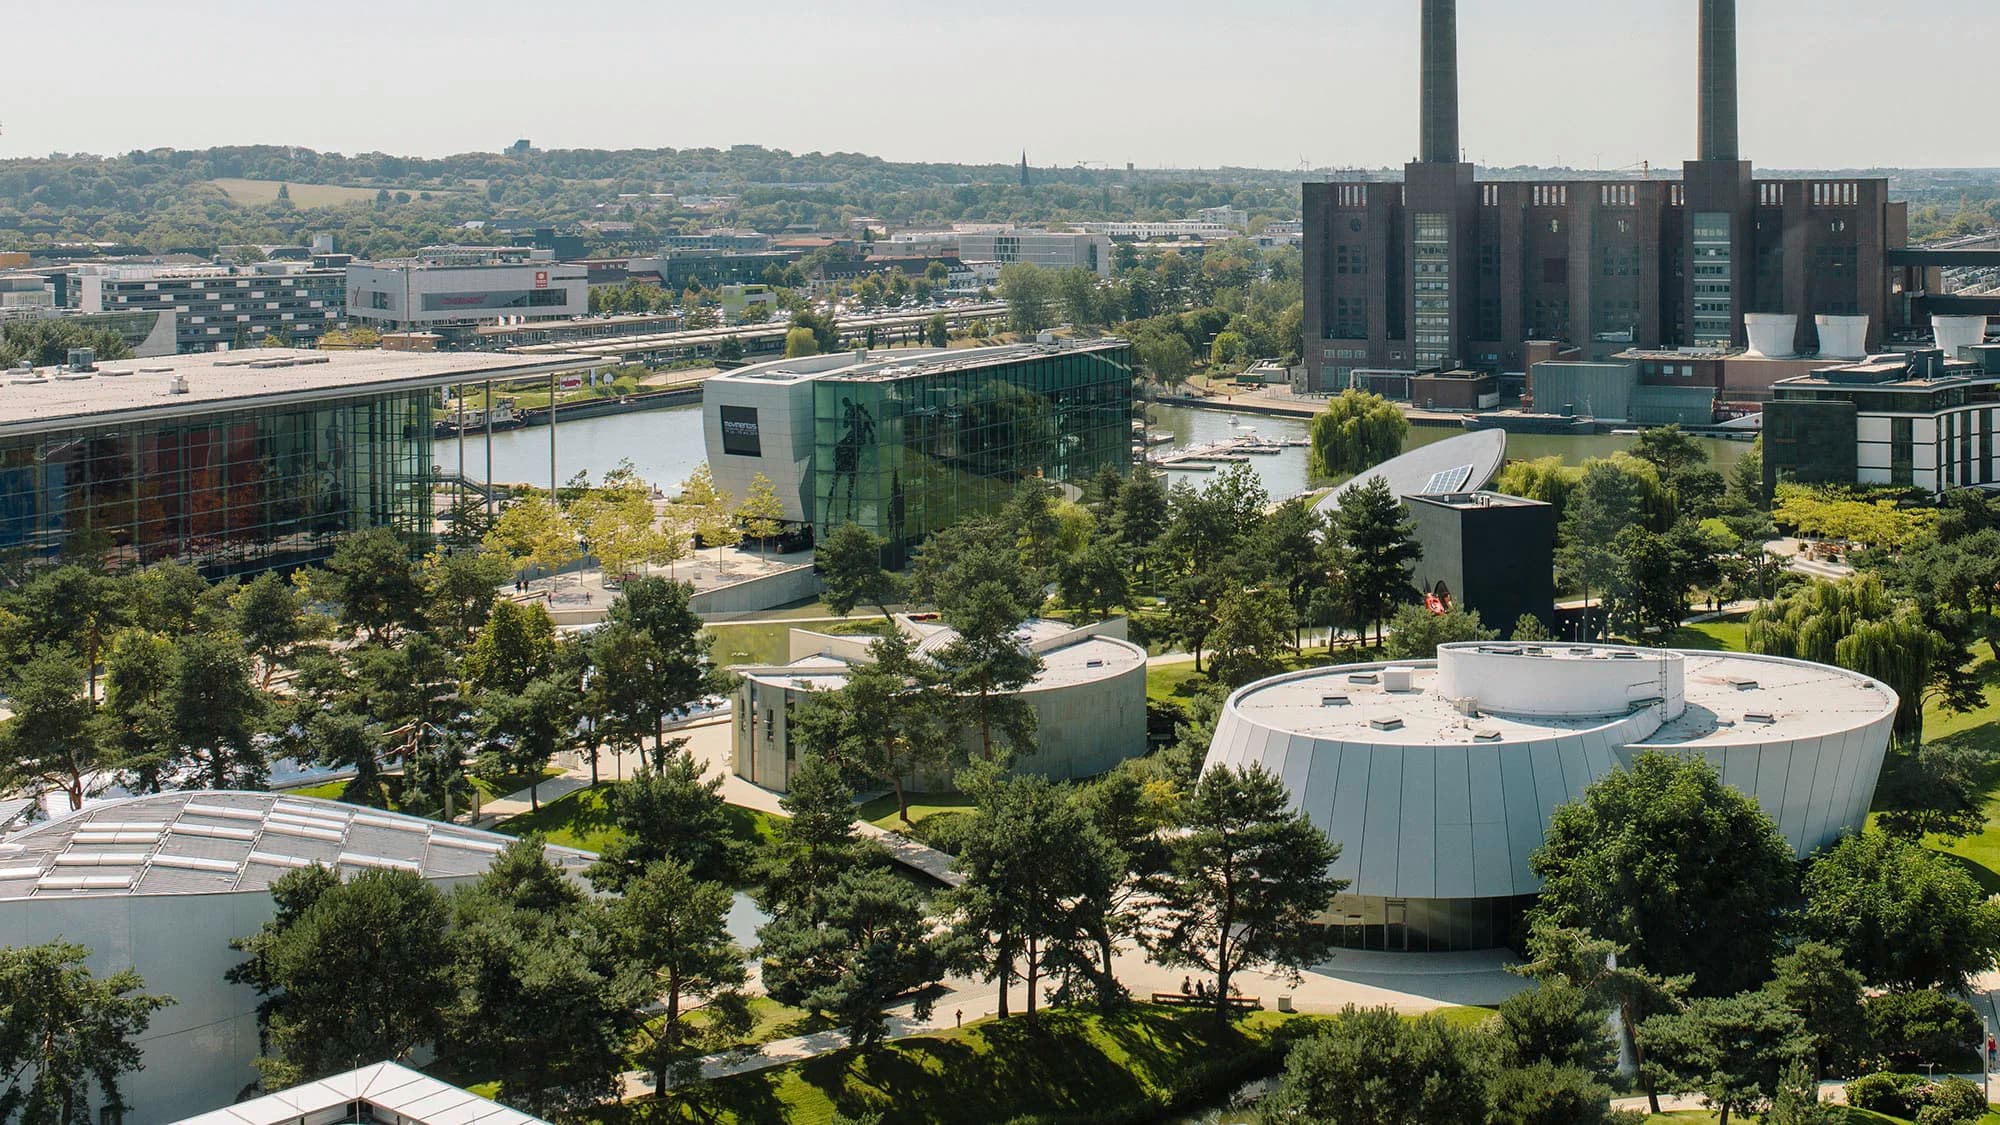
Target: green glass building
{"points": [[906, 443]]}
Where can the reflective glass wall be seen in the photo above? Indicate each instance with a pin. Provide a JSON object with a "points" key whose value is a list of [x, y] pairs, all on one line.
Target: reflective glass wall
{"points": [[906, 456], [230, 493]]}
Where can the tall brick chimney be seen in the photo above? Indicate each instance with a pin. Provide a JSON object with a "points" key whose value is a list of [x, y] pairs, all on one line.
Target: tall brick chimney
{"points": [[1440, 79]]}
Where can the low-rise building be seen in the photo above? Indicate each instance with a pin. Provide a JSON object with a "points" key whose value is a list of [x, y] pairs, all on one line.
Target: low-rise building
{"points": [[1055, 250], [1915, 420], [453, 289], [218, 307], [1438, 778], [162, 885], [1089, 699]]}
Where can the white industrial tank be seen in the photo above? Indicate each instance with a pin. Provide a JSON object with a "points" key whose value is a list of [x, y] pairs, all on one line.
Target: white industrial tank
{"points": [[1772, 334], [1842, 337], [1955, 332]]}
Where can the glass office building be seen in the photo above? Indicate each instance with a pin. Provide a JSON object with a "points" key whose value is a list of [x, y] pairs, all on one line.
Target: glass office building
{"points": [[904, 451], [230, 492]]}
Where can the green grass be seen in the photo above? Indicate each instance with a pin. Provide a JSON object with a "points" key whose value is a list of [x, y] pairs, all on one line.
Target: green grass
{"points": [[1126, 1066], [393, 783], [583, 820], [1172, 683], [756, 643], [1731, 635], [1469, 1018], [882, 811], [769, 1021]]}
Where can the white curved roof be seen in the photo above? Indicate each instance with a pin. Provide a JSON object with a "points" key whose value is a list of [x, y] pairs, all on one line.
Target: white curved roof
{"points": [[1070, 655], [1439, 778], [222, 841], [1465, 463]]}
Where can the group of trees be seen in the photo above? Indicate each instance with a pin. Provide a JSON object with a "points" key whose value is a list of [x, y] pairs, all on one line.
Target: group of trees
{"points": [[1641, 531], [159, 678], [1671, 901], [618, 524], [519, 975]]}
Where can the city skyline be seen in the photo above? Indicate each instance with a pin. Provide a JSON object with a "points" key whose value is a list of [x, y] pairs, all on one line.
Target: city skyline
{"points": [[1546, 82]]}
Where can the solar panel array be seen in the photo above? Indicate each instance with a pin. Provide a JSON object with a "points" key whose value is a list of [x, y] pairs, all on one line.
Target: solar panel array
{"points": [[1447, 481]]}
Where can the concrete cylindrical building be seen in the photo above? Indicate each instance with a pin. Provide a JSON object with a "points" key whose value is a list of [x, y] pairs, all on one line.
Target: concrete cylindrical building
{"points": [[1842, 337], [1438, 778]]}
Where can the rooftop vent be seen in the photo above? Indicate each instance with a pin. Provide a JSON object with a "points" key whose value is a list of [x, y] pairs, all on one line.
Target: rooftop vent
{"points": [[1624, 656], [156, 371], [1742, 683], [1093, 663], [1534, 650], [113, 372], [1386, 722], [1395, 679], [1333, 701], [1764, 717], [1467, 706], [179, 385], [1486, 734], [1363, 678]]}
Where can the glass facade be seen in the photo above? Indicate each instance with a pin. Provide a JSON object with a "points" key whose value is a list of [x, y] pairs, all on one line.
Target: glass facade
{"points": [[231, 492], [1714, 284], [907, 455], [1432, 264], [1426, 925]]}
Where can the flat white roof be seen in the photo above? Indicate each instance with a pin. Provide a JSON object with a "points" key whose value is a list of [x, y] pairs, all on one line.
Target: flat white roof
{"points": [[1068, 657], [1731, 698], [136, 389], [390, 1088], [223, 841]]}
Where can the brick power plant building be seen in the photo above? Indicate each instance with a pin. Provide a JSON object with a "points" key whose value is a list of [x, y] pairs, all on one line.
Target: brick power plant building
{"points": [[1446, 271]]}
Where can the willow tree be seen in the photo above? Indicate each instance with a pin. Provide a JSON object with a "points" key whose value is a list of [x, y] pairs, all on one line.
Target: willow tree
{"points": [[1856, 625], [1356, 431]]}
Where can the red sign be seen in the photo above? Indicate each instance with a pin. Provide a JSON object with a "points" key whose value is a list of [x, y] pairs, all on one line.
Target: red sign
{"points": [[541, 279]]}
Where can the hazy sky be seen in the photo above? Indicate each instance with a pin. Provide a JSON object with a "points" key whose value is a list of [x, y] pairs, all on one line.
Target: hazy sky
{"points": [[1270, 83]]}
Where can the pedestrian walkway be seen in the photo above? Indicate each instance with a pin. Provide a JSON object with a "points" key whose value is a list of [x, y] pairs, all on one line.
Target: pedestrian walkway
{"points": [[514, 804]]}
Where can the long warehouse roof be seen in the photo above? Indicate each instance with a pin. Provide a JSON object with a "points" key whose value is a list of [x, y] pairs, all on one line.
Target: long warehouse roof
{"points": [[55, 399]]}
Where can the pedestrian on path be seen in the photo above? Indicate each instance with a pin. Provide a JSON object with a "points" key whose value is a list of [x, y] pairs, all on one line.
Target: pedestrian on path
{"points": [[1186, 988], [958, 1018]]}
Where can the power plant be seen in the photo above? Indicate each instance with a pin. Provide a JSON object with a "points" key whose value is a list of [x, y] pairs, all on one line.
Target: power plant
{"points": [[1445, 271]]}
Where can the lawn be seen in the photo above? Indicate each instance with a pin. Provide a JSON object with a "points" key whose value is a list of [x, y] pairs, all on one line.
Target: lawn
{"points": [[1123, 1067], [582, 820], [882, 813], [258, 192], [1731, 635], [488, 789]]}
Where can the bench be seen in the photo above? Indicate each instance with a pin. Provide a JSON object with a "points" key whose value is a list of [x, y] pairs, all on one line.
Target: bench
{"points": [[1187, 1000]]}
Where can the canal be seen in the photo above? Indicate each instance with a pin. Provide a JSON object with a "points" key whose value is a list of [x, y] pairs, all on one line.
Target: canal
{"points": [[666, 446]]}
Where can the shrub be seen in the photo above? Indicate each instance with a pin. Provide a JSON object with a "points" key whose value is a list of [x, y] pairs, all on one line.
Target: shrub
{"points": [[1953, 1101], [1911, 1028], [944, 831], [1893, 1094]]}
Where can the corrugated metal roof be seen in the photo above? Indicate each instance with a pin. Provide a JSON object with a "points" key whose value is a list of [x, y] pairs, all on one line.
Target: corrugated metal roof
{"points": [[210, 842]]}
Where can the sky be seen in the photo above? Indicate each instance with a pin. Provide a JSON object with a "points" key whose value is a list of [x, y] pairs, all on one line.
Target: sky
{"points": [[1165, 83]]}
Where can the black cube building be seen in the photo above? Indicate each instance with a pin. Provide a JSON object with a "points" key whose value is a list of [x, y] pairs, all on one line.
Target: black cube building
{"points": [[1489, 552]]}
